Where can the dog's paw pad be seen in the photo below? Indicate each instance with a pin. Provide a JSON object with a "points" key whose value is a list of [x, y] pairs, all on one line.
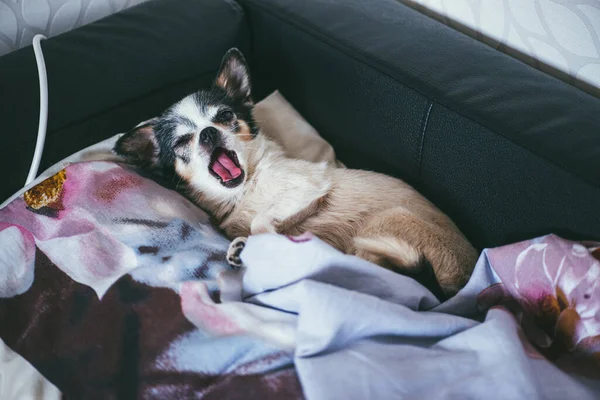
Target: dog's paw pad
{"points": [[235, 262], [234, 251]]}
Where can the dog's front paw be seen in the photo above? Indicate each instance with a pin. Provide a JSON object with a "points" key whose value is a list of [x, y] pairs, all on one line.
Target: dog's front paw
{"points": [[234, 251]]}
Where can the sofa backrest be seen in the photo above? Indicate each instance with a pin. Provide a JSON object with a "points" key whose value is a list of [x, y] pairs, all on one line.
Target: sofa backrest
{"points": [[506, 150], [557, 37], [22, 19]]}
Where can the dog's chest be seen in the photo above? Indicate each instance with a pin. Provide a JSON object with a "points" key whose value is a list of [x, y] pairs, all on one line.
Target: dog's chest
{"points": [[278, 192]]}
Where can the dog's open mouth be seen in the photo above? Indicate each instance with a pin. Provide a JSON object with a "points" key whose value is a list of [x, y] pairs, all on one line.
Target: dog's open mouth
{"points": [[224, 166]]}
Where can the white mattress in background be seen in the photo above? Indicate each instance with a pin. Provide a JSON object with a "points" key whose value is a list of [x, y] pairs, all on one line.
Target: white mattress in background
{"points": [[559, 37]]}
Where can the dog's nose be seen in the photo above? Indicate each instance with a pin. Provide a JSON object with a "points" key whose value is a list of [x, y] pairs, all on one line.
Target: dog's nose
{"points": [[208, 135]]}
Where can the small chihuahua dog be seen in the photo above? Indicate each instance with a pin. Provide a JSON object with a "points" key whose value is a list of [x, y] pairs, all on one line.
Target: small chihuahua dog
{"points": [[210, 143]]}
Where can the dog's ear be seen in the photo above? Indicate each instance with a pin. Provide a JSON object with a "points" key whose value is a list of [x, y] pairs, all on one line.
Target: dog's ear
{"points": [[234, 76], [139, 146]]}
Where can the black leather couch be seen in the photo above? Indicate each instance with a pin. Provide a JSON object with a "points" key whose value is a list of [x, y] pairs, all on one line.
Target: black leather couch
{"points": [[504, 149]]}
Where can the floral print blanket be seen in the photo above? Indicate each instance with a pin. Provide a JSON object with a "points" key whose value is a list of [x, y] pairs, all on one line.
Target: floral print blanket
{"points": [[113, 286], [92, 264]]}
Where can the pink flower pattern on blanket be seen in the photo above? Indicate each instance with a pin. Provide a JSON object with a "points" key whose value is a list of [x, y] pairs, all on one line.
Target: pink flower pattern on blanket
{"points": [[16, 267], [107, 276], [203, 312], [553, 287], [108, 271], [59, 214]]}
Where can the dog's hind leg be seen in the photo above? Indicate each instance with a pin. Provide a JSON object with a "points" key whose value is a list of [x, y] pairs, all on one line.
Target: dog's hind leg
{"points": [[398, 240], [383, 250], [397, 255]]}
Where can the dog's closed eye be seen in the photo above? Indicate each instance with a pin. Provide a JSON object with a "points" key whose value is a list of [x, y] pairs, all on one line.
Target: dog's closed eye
{"points": [[183, 140], [224, 116]]}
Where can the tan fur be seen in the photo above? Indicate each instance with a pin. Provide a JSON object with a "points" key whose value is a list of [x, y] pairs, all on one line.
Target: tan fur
{"points": [[222, 80], [244, 132], [370, 215], [392, 249]]}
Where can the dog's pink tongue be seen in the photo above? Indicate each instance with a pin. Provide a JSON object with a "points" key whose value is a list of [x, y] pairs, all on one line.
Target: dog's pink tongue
{"points": [[226, 168]]}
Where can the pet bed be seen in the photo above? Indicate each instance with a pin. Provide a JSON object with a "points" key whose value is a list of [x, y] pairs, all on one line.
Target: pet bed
{"points": [[114, 286]]}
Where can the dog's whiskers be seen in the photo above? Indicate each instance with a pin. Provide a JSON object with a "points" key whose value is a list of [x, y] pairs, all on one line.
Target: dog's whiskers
{"points": [[177, 185]]}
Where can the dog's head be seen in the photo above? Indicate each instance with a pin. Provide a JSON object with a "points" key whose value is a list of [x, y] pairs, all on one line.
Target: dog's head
{"points": [[204, 140]]}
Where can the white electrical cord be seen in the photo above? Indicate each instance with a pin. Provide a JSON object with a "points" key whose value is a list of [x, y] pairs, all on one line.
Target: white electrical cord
{"points": [[43, 121]]}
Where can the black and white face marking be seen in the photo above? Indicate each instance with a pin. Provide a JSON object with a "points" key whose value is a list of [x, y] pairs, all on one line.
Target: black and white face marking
{"points": [[203, 139]]}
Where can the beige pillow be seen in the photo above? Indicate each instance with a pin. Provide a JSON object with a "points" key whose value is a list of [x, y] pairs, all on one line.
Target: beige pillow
{"points": [[279, 120]]}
